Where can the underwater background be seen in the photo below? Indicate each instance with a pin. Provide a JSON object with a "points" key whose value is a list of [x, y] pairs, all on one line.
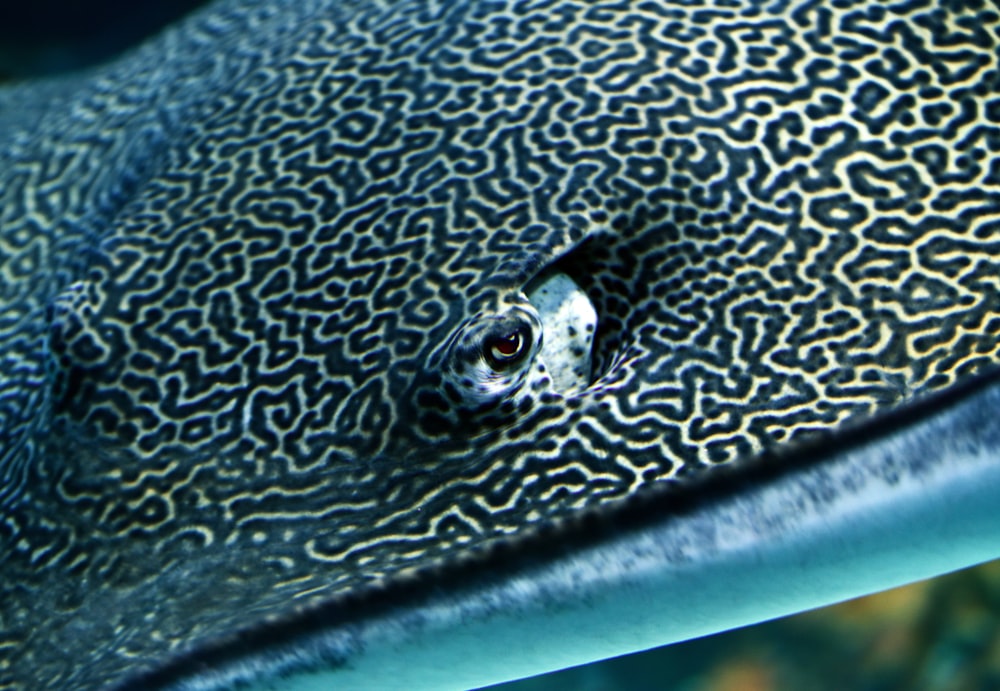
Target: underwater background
{"points": [[41, 37], [940, 634]]}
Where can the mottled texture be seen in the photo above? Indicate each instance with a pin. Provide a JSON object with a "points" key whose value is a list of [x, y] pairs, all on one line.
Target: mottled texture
{"points": [[251, 274]]}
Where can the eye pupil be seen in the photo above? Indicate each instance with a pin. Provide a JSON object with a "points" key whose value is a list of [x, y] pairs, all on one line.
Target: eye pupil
{"points": [[508, 345], [506, 349]]}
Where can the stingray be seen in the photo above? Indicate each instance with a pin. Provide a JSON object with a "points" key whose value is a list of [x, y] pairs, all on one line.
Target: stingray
{"points": [[434, 344]]}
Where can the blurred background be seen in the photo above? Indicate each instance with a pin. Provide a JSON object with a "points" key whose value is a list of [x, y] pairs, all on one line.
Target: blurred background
{"points": [[40, 37], [942, 634]]}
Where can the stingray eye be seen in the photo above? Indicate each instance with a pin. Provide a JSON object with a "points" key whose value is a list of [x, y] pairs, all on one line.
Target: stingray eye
{"points": [[506, 349]]}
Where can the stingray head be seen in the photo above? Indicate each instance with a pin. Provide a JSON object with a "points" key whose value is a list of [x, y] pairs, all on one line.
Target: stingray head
{"points": [[321, 340]]}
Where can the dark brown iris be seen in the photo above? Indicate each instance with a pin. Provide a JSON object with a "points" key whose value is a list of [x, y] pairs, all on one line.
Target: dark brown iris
{"points": [[506, 349]]}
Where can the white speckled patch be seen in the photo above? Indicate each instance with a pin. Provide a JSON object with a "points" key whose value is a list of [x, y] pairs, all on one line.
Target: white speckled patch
{"points": [[568, 322]]}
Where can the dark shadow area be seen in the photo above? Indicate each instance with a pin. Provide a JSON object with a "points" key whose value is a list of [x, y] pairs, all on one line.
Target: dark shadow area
{"points": [[46, 37]]}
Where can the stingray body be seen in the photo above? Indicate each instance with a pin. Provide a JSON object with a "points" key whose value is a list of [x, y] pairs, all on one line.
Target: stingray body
{"points": [[266, 346]]}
